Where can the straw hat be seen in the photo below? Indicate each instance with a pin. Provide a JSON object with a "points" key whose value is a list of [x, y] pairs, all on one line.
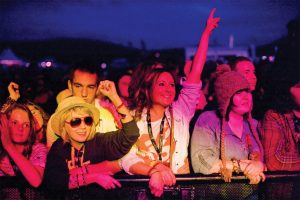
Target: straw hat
{"points": [[67, 104]]}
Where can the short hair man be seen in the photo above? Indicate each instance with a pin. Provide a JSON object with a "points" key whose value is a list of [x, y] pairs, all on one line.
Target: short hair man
{"points": [[83, 82], [244, 66]]}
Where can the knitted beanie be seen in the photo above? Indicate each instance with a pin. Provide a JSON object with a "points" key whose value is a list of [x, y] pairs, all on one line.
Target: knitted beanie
{"points": [[226, 85]]}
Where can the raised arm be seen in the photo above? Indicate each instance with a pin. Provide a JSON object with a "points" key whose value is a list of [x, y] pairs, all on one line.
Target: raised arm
{"points": [[200, 56], [14, 95], [108, 89]]}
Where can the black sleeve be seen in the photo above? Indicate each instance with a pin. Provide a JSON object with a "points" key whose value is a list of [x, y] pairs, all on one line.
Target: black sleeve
{"points": [[118, 143], [56, 174]]}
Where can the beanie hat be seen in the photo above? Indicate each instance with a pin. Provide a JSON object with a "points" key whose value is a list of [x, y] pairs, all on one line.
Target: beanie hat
{"points": [[226, 85]]}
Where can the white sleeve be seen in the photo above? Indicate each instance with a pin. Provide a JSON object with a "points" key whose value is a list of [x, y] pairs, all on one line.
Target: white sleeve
{"points": [[130, 159]]}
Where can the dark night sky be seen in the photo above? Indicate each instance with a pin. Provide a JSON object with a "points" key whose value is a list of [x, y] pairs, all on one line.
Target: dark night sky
{"points": [[160, 23]]}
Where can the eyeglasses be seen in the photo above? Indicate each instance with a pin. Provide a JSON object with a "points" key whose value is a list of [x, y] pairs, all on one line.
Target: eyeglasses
{"points": [[75, 122]]}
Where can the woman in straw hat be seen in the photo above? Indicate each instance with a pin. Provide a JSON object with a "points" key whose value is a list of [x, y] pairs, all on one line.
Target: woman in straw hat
{"points": [[227, 141], [71, 158]]}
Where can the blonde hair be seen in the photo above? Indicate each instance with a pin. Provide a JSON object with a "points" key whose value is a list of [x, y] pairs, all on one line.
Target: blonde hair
{"points": [[68, 115]]}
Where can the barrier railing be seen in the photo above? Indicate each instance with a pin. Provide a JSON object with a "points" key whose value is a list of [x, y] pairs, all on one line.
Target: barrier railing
{"points": [[278, 185]]}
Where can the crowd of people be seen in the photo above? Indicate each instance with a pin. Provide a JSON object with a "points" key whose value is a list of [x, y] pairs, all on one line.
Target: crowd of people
{"points": [[151, 121]]}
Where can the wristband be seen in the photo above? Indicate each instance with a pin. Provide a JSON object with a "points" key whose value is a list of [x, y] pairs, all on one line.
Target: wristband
{"points": [[152, 171], [235, 166], [239, 164], [10, 100], [120, 106], [86, 169]]}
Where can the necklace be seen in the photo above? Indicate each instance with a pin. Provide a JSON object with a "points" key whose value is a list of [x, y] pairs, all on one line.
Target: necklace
{"points": [[158, 148], [76, 158]]}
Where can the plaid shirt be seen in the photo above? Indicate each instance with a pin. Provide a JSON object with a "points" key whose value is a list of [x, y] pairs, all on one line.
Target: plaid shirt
{"points": [[280, 142]]}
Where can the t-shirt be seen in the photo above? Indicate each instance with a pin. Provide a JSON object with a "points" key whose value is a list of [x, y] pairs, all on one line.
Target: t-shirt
{"points": [[38, 158]]}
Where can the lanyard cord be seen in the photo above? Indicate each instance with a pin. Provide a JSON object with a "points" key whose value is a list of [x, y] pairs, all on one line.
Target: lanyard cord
{"points": [[158, 149]]}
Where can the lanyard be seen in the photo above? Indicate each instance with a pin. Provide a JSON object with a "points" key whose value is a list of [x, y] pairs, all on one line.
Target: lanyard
{"points": [[158, 149]]}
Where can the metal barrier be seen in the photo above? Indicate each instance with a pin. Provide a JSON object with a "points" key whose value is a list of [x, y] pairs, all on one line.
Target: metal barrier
{"points": [[279, 185]]}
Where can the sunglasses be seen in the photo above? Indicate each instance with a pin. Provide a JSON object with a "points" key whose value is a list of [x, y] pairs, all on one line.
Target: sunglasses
{"points": [[75, 122]]}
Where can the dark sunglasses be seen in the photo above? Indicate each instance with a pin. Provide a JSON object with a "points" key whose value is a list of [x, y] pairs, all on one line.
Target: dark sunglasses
{"points": [[75, 122]]}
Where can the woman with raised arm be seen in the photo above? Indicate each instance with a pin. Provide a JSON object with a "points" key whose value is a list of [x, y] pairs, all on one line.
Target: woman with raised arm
{"points": [[162, 148], [72, 158], [21, 155], [40, 116]]}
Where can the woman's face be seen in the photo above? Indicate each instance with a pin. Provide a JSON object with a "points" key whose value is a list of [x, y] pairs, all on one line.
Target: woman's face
{"points": [[242, 102], [295, 92], [19, 126], [38, 118], [163, 90], [79, 133]]}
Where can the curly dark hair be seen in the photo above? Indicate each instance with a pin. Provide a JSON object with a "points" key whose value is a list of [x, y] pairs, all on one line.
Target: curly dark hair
{"points": [[141, 98], [139, 74]]}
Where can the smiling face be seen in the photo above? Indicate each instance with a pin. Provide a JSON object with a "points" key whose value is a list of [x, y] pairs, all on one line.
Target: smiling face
{"points": [[163, 90], [247, 69], [79, 134], [19, 125], [242, 102], [84, 85]]}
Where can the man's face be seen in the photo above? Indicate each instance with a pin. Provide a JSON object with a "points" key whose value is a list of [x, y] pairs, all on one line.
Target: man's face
{"points": [[84, 85], [247, 69]]}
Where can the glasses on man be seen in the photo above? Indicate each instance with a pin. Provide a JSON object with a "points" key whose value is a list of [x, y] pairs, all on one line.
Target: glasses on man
{"points": [[75, 122]]}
